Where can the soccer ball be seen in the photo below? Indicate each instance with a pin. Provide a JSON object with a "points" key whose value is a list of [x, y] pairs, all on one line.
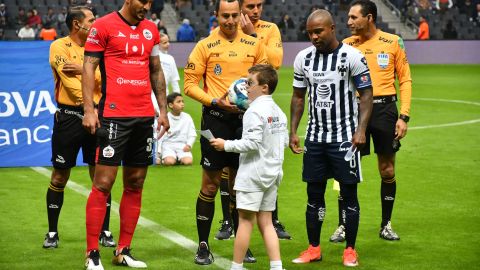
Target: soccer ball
{"points": [[237, 93]]}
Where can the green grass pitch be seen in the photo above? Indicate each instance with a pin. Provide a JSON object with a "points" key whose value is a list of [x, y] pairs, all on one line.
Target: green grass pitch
{"points": [[436, 212]]}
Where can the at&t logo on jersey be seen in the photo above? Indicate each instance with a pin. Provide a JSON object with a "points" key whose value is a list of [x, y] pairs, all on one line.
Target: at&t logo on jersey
{"points": [[383, 59], [323, 101]]}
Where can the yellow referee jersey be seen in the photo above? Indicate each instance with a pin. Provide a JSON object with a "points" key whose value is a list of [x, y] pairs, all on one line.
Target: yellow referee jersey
{"points": [[219, 62], [68, 89], [269, 35], [387, 60]]}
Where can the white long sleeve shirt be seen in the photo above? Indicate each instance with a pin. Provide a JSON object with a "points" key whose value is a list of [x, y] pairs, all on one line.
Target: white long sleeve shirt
{"points": [[261, 147], [170, 71], [182, 130]]}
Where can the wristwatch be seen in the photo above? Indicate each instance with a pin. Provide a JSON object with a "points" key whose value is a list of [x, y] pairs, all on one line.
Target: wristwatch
{"points": [[214, 102], [404, 117]]}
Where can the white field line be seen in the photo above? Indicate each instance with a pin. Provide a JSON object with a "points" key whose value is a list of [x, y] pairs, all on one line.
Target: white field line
{"points": [[164, 232]]}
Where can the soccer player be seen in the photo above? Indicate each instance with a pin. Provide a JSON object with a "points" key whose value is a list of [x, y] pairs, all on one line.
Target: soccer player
{"points": [[261, 149], [387, 60], [219, 59], [330, 72], [126, 48], [66, 58]]}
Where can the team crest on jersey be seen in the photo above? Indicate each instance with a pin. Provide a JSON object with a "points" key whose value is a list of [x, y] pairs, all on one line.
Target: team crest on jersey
{"points": [[147, 34], [217, 70], [93, 32], [108, 152], [383, 59], [323, 100]]}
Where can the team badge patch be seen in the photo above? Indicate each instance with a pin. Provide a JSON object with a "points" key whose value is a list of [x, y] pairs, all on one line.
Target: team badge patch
{"points": [[217, 70], [108, 152], [383, 59], [147, 34]]}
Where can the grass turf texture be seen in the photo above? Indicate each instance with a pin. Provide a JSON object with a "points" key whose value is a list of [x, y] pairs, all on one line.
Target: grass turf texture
{"points": [[436, 212]]}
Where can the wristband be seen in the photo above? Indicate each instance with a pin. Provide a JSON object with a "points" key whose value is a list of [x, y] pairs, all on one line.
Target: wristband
{"points": [[404, 117]]}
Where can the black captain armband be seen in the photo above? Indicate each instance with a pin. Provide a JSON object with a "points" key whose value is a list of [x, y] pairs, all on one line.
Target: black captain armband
{"points": [[404, 117]]}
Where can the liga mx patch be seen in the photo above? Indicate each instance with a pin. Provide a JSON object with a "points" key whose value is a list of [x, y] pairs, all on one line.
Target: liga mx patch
{"points": [[108, 152], [383, 59], [217, 70]]}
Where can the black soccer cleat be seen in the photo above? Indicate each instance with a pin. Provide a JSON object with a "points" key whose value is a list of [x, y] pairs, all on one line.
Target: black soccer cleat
{"points": [[51, 240], [249, 258], [387, 233], [93, 261], [226, 230], [106, 239], [280, 229], [203, 256]]}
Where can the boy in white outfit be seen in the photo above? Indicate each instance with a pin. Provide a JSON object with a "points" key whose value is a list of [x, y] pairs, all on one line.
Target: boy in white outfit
{"points": [[261, 149], [176, 144]]}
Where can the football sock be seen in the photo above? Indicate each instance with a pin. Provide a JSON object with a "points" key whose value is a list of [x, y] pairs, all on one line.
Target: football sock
{"points": [[352, 212], [387, 192], [236, 266], [341, 211], [276, 265], [95, 213], [106, 219], [275, 212], [225, 197], [315, 213], [234, 211], [130, 206], [205, 211], [54, 205]]}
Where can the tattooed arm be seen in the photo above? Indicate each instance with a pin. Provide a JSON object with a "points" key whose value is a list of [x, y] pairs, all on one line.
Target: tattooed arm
{"points": [[90, 118], [157, 80]]}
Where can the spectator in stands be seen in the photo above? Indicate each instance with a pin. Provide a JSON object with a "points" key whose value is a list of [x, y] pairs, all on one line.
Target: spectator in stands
{"points": [[423, 7], [33, 18], [161, 28], [91, 6], [186, 33], [2, 34], [26, 32], [154, 18], [285, 23], [450, 32], [62, 16], [213, 26], [157, 7], [302, 32], [3, 15], [50, 18], [423, 31], [47, 32], [21, 18], [443, 5], [211, 20], [179, 4]]}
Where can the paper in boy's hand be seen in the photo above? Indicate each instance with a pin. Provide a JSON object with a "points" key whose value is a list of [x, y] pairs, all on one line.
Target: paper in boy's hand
{"points": [[207, 134]]}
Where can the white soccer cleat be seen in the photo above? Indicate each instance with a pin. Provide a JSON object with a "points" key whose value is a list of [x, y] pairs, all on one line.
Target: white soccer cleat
{"points": [[126, 259], [93, 261]]}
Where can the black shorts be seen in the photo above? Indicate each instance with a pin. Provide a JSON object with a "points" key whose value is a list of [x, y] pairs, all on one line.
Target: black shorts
{"points": [[128, 142], [381, 128], [322, 161], [69, 136], [223, 125]]}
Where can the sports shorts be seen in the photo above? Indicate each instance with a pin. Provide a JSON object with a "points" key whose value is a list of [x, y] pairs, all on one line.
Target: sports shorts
{"points": [[223, 125], [258, 200], [128, 142], [322, 161], [69, 136], [174, 150], [381, 128]]}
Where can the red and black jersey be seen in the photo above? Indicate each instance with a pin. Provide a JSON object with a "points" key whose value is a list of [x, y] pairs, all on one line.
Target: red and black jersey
{"points": [[124, 50]]}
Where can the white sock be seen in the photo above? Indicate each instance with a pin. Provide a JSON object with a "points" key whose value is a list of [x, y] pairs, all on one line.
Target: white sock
{"points": [[276, 265], [236, 266]]}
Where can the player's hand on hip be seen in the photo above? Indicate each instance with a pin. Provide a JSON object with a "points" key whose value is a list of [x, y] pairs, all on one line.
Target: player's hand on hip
{"points": [[295, 144], [224, 104], [218, 144], [90, 122], [246, 24], [162, 125], [400, 129]]}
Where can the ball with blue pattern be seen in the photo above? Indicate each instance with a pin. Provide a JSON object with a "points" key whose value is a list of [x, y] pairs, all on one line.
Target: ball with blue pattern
{"points": [[237, 93]]}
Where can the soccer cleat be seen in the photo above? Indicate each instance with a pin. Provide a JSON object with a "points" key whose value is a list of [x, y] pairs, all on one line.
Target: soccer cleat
{"points": [[126, 259], [312, 254], [51, 240], [387, 233], [203, 256], [339, 235], [280, 229], [93, 261], [249, 258], [225, 232], [106, 239], [350, 257]]}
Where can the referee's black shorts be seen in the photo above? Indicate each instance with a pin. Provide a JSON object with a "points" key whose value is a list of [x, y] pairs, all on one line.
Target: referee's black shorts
{"points": [[223, 125], [381, 127], [69, 136]]}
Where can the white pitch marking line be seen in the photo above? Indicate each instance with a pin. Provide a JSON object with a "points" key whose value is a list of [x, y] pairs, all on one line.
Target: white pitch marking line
{"points": [[164, 232]]}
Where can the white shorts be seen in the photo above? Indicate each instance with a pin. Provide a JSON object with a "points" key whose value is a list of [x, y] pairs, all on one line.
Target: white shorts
{"points": [[257, 201], [175, 151]]}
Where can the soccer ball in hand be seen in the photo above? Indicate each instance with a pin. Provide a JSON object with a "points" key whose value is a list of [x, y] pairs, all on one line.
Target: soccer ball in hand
{"points": [[237, 93]]}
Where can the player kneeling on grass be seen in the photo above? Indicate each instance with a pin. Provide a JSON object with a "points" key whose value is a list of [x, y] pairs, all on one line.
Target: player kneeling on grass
{"points": [[176, 144], [261, 149]]}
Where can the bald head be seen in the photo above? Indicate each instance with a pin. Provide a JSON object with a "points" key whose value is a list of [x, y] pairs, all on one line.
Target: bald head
{"points": [[321, 15]]}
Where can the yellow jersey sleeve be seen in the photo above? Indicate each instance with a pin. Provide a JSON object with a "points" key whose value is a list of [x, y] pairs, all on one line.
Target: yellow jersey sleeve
{"points": [[219, 62], [271, 39], [402, 70]]}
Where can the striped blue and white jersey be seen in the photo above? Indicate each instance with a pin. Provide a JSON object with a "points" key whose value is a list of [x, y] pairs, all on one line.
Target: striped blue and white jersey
{"points": [[330, 81]]}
